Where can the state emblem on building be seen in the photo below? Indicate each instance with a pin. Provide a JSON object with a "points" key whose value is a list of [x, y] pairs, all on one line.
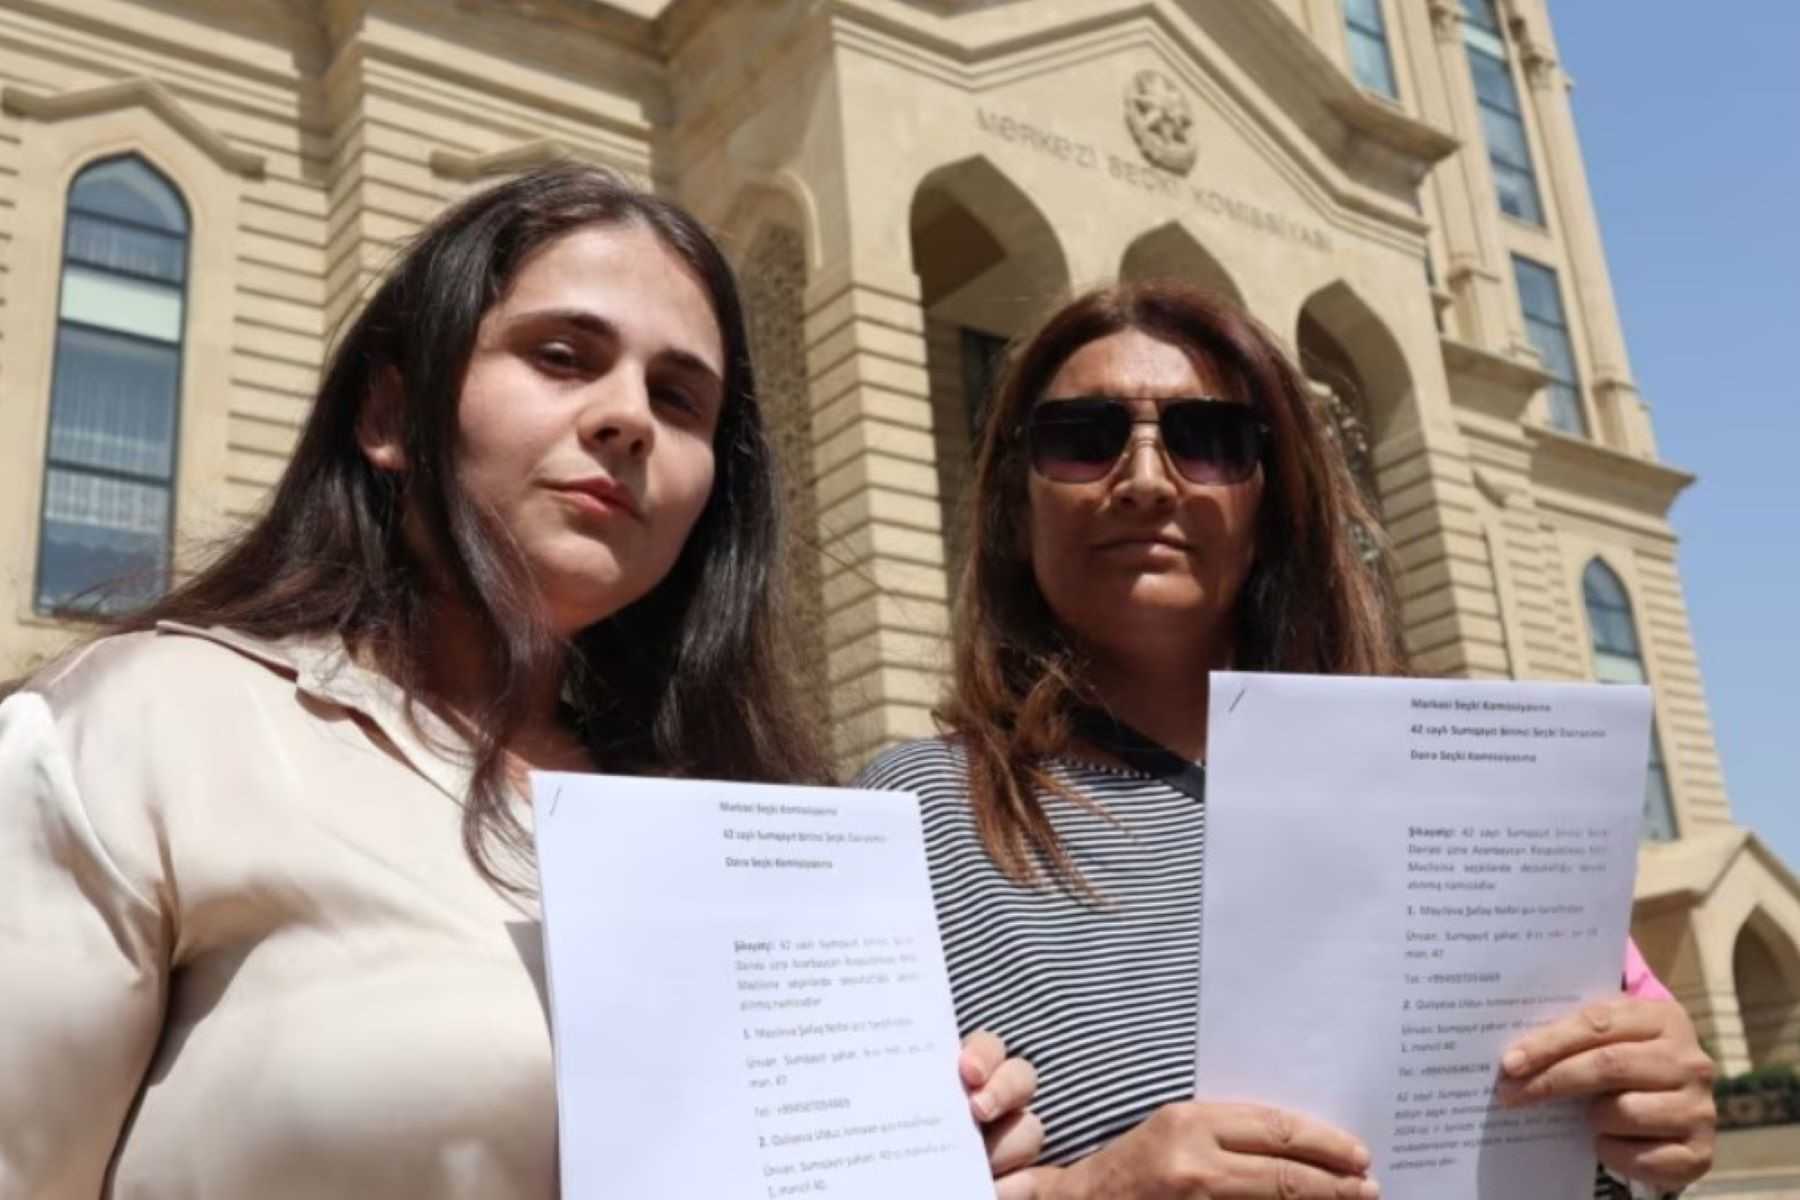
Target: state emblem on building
{"points": [[1161, 121]]}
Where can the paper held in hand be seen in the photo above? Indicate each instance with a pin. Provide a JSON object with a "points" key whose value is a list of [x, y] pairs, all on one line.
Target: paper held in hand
{"points": [[748, 994], [1401, 877]]}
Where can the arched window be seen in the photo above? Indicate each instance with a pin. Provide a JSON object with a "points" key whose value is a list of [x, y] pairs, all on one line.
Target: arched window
{"points": [[1618, 659], [109, 469]]}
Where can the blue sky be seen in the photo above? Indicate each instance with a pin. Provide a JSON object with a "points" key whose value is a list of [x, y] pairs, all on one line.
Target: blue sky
{"points": [[1690, 121]]}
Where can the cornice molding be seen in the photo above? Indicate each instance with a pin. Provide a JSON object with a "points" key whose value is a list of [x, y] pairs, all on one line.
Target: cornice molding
{"points": [[1680, 874], [1535, 53], [1393, 128], [621, 24], [1446, 19], [1466, 360], [1594, 472], [1685, 872], [466, 168], [1503, 386], [134, 93], [1408, 137]]}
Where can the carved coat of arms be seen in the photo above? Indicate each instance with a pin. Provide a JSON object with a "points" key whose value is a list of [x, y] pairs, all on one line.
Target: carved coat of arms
{"points": [[1161, 121]]}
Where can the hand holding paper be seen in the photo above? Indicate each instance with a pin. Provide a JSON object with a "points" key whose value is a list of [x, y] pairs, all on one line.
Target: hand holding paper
{"points": [[1650, 1083], [1403, 877], [764, 963]]}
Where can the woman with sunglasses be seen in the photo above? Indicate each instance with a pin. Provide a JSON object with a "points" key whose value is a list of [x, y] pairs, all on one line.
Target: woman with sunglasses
{"points": [[268, 924], [1155, 497]]}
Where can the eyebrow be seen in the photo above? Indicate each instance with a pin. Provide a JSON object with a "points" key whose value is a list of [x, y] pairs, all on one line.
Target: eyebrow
{"points": [[594, 323]]}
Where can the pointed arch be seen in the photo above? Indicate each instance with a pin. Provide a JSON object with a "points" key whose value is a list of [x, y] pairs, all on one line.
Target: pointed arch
{"points": [[1346, 345], [1170, 251], [989, 263], [982, 247], [1765, 970], [1359, 375]]}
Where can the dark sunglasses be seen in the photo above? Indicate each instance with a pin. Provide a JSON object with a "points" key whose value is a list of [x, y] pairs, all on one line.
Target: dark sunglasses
{"points": [[1080, 440]]}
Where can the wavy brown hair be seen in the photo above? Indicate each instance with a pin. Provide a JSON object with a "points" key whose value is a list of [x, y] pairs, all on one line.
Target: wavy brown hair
{"points": [[1316, 600], [688, 680]]}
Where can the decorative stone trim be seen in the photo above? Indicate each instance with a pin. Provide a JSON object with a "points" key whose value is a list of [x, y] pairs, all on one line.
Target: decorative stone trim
{"points": [[1541, 68], [131, 93], [1580, 467], [468, 168], [1446, 20], [1510, 384]]}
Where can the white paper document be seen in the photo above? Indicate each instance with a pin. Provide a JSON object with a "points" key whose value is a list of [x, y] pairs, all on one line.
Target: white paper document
{"points": [[1401, 877], [748, 994]]}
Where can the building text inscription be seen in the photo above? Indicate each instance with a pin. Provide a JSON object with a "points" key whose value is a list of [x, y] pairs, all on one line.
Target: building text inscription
{"points": [[1087, 157]]}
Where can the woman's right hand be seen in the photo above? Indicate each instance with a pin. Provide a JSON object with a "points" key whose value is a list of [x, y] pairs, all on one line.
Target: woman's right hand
{"points": [[1197, 1150]]}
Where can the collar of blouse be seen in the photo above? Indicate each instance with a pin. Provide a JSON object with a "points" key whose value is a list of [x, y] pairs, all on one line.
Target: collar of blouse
{"points": [[323, 670]]}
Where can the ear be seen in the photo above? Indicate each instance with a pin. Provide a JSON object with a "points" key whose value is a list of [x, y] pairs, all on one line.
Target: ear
{"points": [[380, 431]]}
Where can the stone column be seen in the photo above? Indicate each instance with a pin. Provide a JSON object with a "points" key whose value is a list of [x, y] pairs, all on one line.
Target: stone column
{"points": [[1475, 271], [1625, 424], [774, 286], [953, 435], [884, 590]]}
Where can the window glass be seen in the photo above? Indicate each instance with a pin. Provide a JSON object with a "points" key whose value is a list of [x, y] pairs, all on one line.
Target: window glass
{"points": [[111, 246], [101, 533], [113, 404], [1617, 660], [121, 303], [126, 189], [1371, 65], [1541, 299]]}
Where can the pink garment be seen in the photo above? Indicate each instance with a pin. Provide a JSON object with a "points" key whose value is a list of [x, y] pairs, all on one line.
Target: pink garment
{"points": [[1640, 980]]}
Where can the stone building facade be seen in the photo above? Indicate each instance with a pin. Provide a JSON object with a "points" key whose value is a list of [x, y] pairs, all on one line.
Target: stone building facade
{"points": [[1394, 186]]}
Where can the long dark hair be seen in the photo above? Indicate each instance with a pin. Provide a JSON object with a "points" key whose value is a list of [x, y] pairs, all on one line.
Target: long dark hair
{"points": [[684, 681], [1313, 602]]}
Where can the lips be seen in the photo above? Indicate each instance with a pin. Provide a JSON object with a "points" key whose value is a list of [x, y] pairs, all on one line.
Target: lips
{"points": [[1130, 543], [602, 493]]}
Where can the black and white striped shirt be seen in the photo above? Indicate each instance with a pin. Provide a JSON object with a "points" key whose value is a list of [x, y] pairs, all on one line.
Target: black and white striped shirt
{"points": [[1100, 995]]}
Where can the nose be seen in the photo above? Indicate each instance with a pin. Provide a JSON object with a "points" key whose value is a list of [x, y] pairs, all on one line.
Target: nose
{"points": [[1143, 479], [616, 414]]}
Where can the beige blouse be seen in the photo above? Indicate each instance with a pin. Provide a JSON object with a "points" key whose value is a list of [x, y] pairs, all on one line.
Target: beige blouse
{"points": [[242, 950]]}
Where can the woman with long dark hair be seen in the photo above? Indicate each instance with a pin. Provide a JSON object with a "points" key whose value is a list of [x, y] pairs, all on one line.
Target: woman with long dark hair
{"points": [[1156, 497], [267, 906]]}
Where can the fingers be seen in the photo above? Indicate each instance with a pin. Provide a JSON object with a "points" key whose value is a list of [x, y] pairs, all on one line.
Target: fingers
{"points": [[1254, 1129], [1034, 1184], [1601, 1023], [1618, 1067], [982, 1054], [1009, 1089], [1013, 1142], [1667, 1166], [1249, 1177], [1677, 1115]]}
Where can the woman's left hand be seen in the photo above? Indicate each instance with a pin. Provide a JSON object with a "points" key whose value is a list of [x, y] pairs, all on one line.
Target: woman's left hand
{"points": [[1000, 1094], [1648, 1083]]}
